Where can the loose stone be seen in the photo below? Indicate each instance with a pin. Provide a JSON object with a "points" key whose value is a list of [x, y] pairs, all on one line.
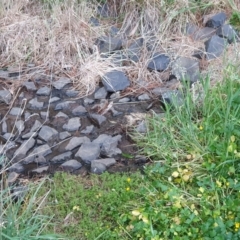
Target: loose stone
{"points": [[76, 142], [73, 124], [44, 91], [71, 165]]}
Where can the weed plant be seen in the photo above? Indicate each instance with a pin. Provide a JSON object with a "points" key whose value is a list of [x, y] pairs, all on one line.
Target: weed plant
{"points": [[193, 191], [21, 218]]}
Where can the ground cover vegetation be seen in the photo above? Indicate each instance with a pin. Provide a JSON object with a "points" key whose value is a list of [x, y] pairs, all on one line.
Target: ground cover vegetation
{"points": [[191, 189]]}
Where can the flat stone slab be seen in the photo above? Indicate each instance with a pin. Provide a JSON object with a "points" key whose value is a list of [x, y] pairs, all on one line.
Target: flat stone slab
{"points": [[108, 144], [47, 133], [73, 124], [186, 69], [115, 81], [40, 170], [30, 86], [34, 104], [44, 91], [42, 150], [16, 111], [71, 165], [227, 31], [76, 142], [109, 44], [64, 105], [217, 20], [25, 147], [88, 152], [5, 96], [61, 83], [79, 111], [159, 62], [101, 93], [62, 157], [214, 47]]}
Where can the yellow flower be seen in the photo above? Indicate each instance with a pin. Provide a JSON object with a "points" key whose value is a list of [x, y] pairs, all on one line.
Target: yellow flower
{"points": [[175, 174], [128, 189], [200, 127], [76, 208], [128, 180], [237, 225]]}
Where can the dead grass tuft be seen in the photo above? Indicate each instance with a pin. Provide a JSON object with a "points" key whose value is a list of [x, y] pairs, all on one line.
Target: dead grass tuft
{"points": [[57, 35]]}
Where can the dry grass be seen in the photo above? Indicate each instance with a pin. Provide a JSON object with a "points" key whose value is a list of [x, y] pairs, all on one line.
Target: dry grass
{"points": [[58, 38]]}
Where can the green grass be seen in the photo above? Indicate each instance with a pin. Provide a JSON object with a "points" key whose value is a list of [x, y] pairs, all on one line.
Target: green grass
{"points": [[95, 204], [190, 192], [23, 219]]}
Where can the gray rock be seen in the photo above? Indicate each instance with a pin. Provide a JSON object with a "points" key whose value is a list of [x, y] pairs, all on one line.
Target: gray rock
{"points": [[39, 159], [71, 165], [142, 127], [88, 152], [26, 115], [30, 86], [186, 69], [44, 91], [64, 105], [34, 104], [76, 142], [101, 93], [36, 126], [88, 129], [214, 47], [217, 20], [40, 170], [16, 111], [4, 74], [25, 147], [42, 150], [72, 93], [124, 100], [8, 136], [115, 95], [159, 62], [88, 101], [105, 161], [97, 119], [16, 167], [173, 97], [94, 22], [62, 157], [5, 96], [44, 115], [115, 113], [64, 135], [109, 44], [108, 144], [4, 127], [79, 111], [191, 29], [73, 124], [143, 97], [20, 126], [61, 83], [98, 167], [47, 133], [204, 34], [134, 50], [115, 81], [113, 31], [54, 99], [29, 135], [12, 177], [227, 31], [61, 114]]}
